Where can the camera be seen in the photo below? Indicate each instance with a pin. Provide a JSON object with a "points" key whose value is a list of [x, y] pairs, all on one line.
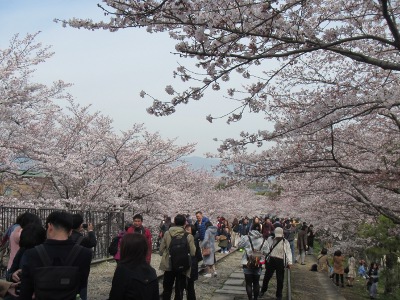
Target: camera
{"points": [[84, 225]]}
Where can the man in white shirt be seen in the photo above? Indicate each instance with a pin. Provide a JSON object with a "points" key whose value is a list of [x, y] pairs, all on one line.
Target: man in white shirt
{"points": [[280, 256]]}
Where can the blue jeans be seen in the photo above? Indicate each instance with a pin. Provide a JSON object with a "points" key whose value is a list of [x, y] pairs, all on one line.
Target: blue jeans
{"points": [[293, 252]]}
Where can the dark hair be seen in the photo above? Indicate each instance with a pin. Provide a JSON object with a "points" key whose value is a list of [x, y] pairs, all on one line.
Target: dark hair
{"points": [[138, 216], [373, 264], [32, 235], [179, 220], [19, 218], [28, 218], [60, 220], [198, 212], [208, 224], [127, 226], [324, 251], [304, 227], [337, 253], [133, 248], [256, 226], [77, 220]]}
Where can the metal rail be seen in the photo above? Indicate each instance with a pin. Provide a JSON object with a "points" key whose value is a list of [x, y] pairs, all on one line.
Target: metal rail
{"points": [[289, 287]]}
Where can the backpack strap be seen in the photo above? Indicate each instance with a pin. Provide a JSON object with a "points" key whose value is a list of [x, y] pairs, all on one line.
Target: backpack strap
{"points": [[251, 243], [44, 257], [272, 248], [79, 240], [73, 254], [252, 248], [262, 244]]}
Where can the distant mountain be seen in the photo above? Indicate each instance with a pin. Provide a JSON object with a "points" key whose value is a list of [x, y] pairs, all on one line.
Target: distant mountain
{"points": [[198, 163]]}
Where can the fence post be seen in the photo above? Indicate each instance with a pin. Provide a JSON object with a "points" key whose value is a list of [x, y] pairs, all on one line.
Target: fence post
{"points": [[289, 288]]}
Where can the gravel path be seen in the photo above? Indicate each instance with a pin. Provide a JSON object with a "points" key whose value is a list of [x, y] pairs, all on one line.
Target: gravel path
{"points": [[101, 275]]}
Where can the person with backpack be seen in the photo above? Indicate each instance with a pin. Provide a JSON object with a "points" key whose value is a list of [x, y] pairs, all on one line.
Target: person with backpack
{"points": [[177, 247], [279, 257], [138, 227], [57, 269], [134, 278], [88, 241], [253, 245]]}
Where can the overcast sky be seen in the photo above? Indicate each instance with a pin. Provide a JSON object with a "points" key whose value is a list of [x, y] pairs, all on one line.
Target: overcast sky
{"points": [[108, 70]]}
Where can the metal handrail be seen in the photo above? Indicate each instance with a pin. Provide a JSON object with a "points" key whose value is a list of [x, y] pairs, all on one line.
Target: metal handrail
{"points": [[289, 287]]}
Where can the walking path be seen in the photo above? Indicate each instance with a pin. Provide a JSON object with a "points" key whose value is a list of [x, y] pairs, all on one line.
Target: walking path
{"points": [[308, 285], [229, 285]]}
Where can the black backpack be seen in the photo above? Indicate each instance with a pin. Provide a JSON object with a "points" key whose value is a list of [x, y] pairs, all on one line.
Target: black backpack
{"points": [[57, 282], [179, 253], [113, 248]]}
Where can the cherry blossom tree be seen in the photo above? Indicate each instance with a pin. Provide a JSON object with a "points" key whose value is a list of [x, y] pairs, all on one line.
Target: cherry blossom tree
{"points": [[226, 36], [326, 75], [84, 163], [25, 106]]}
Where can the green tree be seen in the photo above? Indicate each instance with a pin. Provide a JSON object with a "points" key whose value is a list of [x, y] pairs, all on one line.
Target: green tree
{"points": [[386, 245]]}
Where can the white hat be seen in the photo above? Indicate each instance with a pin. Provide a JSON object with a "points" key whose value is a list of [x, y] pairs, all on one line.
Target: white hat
{"points": [[278, 232]]}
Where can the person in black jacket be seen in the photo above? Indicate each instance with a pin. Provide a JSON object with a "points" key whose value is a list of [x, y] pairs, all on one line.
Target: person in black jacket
{"points": [[134, 278], [194, 269], [87, 241], [58, 247]]}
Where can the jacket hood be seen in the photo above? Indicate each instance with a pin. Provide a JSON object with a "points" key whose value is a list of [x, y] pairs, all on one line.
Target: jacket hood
{"points": [[255, 234], [213, 229], [176, 230]]}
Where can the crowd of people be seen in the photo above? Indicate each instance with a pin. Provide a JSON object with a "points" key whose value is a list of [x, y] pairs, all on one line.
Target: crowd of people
{"points": [[64, 245], [338, 272], [51, 261], [271, 239]]}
